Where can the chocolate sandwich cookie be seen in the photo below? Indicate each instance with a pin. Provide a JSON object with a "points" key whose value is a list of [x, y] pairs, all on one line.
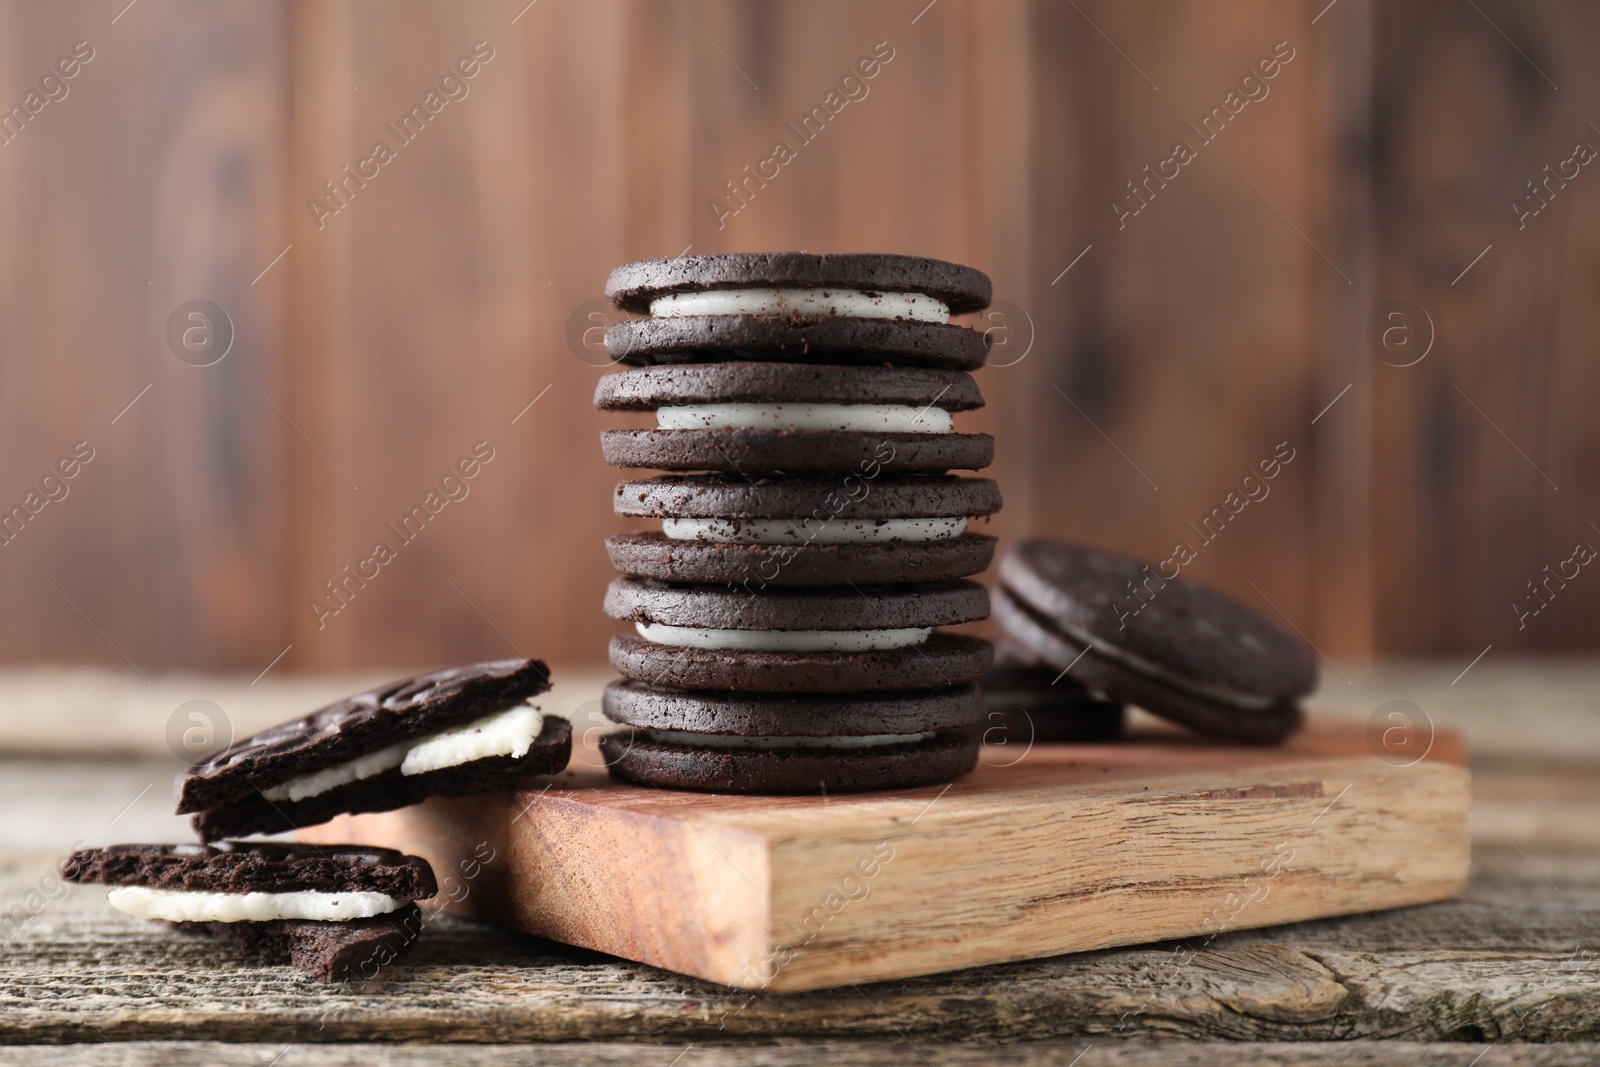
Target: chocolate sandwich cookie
{"points": [[800, 715], [794, 640], [754, 567], [791, 530], [753, 622], [1027, 701], [709, 338], [798, 307], [1175, 648], [839, 508], [637, 287], [812, 743], [337, 911], [456, 732], [943, 659], [793, 417]]}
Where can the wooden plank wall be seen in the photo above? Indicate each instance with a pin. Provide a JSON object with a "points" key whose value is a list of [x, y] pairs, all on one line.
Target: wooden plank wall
{"points": [[1182, 347]]}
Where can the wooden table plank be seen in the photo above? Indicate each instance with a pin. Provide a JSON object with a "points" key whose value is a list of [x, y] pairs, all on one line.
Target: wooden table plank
{"points": [[1512, 959], [835, 1053], [1055, 849]]}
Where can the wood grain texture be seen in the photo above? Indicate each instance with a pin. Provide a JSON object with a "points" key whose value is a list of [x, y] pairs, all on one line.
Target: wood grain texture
{"points": [[1504, 962], [520, 226], [1467, 439], [844, 1054], [425, 316], [1063, 848], [157, 179], [1173, 357]]}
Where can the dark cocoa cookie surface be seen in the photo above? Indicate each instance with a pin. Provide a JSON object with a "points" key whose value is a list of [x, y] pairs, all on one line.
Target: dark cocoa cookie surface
{"points": [[755, 567], [756, 451], [831, 608], [329, 951], [648, 388], [256, 867], [822, 498], [1264, 725], [942, 660], [634, 285], [792, 715], [631, 757], [1040, 703], [1168, 629], [867, 342], [255, 814], [365, 723]]}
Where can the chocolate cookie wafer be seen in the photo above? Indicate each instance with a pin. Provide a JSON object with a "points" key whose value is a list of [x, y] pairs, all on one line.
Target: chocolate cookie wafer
{"points": [[1169, 645], [1027, 701]]}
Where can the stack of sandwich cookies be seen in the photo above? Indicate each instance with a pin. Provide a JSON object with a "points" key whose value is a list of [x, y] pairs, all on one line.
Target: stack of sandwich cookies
{"points": [[1168, 645], [456, 732], [785, 613], [338, 912]]}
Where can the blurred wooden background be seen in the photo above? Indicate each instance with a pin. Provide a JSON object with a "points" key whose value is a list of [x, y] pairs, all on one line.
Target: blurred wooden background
{"points": [[1150, 363]]}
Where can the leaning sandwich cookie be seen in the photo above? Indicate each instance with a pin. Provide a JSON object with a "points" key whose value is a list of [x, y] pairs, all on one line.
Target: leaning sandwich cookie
{"points": [[1175, 648], [335, 911], [452, 733]]}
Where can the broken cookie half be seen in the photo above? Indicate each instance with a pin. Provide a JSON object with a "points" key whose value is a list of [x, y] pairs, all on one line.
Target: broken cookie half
{"points": [[456, 732], [336, 911]]}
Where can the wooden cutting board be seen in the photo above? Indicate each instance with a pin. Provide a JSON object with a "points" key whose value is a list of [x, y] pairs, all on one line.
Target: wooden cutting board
{"points": [[1064, 849]]}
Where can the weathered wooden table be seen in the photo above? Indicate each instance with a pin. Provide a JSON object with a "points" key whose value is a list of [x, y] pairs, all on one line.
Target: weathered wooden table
{"points": [[1508, 973]]}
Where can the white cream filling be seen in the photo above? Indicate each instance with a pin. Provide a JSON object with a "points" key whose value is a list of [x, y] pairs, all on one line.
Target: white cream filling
{"points": [[697, 740], [503, 733], [844, 303], [783, 640], [186, 906], [834, 531], [319, 782], [881, 418], [509, 733]]}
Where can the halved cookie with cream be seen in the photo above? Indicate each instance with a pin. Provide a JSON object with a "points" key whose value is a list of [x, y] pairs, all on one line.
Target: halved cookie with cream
{"points": [[337, 911], [465, 730]]}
